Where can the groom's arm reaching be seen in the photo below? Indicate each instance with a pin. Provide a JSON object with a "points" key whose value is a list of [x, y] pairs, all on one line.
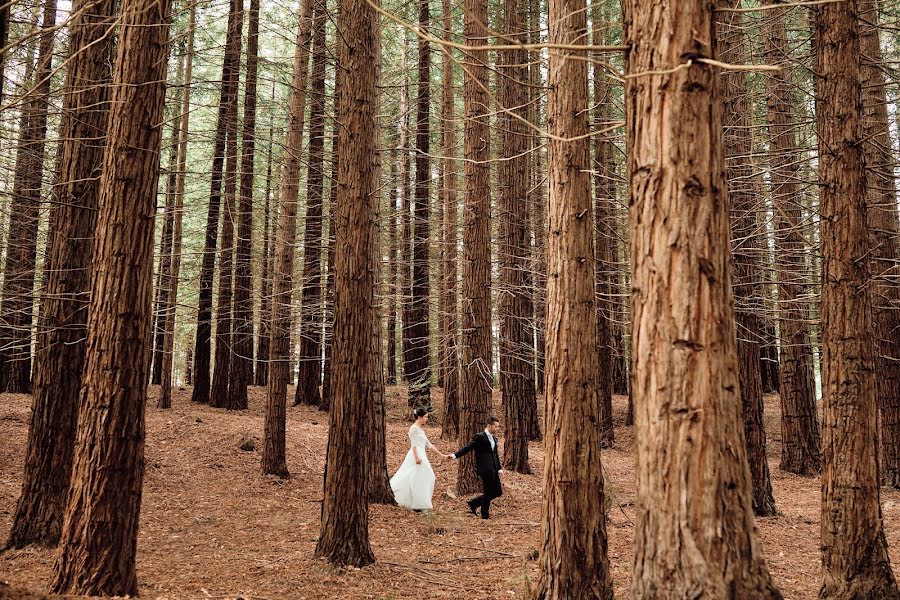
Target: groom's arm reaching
{"points": [[466, 449]]}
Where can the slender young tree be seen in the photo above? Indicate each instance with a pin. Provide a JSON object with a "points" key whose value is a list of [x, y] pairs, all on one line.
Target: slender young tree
{"points": [[227, 98], [476, 380], [800, 436], [261, 373], [449, 321], [419, 373], [883, 233], [60, 356], [855, 561], [273, 455], [404, 307], [515, 308], [165, 392], [310, 373], [344, 537], [99, 534], [742, 186], [20, 267], [573, 559], [694, 532], [392, 267], [242, 357]]}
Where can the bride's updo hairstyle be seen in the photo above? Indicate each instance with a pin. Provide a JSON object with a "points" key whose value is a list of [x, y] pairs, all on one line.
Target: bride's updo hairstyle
{"points": [[420, 412]]}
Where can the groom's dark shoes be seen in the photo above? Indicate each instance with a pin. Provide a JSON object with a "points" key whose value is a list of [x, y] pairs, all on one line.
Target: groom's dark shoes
{"points": [[473, 508]]}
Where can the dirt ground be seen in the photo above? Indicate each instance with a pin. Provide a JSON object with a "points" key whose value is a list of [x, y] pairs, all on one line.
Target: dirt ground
{"points": [[213, 527]]}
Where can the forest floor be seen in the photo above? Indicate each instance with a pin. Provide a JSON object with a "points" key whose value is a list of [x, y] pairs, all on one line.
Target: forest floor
{"points": [[212, 527]]}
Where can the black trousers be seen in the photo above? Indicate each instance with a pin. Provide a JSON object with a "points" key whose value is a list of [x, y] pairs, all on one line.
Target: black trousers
{"points": [[492, 489]]}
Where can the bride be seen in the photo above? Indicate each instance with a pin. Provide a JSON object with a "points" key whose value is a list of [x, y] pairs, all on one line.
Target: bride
{"points": [[413, 483]]}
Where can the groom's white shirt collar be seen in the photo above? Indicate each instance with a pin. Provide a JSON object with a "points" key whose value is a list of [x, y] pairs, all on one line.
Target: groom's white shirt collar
{"points": [[490, 438]]}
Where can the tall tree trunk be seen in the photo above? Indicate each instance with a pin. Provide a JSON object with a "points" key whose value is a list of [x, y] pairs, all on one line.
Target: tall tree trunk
{"points": [[573, 559], [164, 273], [17, 304], [261, 373], [515, 304], [855, 561], [273, 455], [242, 358], [227, 105], [344, 537], [406, 233], [800, 436], [539, 208], [393, 266], [604, 223], [695, 532], [449, 300], [742, 192], [329, 283], [225, 352], [310, 374], [883, 232], [165, 393], [99, 534], [419, 373], [476, 381], [60, 356]]}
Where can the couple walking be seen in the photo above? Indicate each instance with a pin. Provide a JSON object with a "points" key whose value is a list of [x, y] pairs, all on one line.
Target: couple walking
{"points": [[413, 483]]}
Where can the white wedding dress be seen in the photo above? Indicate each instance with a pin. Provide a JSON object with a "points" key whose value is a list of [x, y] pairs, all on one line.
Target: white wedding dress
{"points": [[413, 484]]}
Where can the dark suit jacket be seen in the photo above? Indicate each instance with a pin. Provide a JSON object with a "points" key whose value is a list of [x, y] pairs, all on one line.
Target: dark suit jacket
{"points": [[487, 460]]}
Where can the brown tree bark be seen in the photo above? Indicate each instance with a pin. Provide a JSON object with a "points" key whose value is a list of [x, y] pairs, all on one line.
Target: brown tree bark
{"points": [[800, 436], [695, 532], [476, 380], [404, 289], [17, 293], [310, 374], [537, 222], [573, 559], [222, 378], [604, 224], [273, 455], [742, 192], [99, 535], [883, 237], [60, 356], [344, 537], [450, 297], [393, 269], [855, 562], [419, 374], [227, 105], [261, 373], [165, 392], [515, 303], [242, 337]]}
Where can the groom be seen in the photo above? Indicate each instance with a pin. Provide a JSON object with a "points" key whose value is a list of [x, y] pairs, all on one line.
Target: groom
{"points": [[487, 465]]}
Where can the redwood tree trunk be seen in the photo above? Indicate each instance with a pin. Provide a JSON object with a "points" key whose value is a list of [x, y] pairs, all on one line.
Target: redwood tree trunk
{"points": [[449, 320], [742, 191], [273, 455], [476, 381], [242, 358], [344, 538], [99, 534], [800, 436], [515, 304], [310, 374], [573, 559], [419, 374], [165, 392], [17, 305], [855, 561], [227, 98], [695, 533], [261, 373], [883, 235], [60, 356]]}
